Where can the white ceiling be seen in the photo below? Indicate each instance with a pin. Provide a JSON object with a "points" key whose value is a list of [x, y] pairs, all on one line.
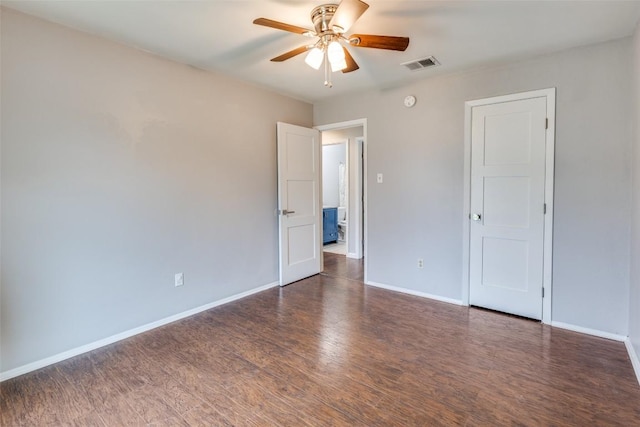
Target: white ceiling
{"points": [[219, 35]]}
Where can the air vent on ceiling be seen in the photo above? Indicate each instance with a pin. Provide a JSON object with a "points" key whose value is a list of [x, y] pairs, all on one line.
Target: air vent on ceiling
{"points": [[419, 64]]}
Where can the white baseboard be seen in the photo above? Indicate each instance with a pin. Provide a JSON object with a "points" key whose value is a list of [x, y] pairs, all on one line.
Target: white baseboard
{"points": [[353, 255], [126, 334], [635, 361], [588, 331], [415, 293]]}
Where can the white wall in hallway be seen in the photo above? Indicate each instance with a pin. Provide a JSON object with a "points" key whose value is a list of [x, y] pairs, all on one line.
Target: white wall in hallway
{"points": [[332, 156]]}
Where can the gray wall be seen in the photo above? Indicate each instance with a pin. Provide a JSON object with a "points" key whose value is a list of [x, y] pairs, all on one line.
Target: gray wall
{"points": [[332, 156], [417, 211], [634, 300], [332, 136], [120, 169]]}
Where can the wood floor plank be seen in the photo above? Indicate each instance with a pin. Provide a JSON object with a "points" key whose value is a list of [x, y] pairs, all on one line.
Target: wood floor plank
{"points": [[119, 412], [152, 408], [204, 415], [331, 351], [92, 419], [43, 397]]}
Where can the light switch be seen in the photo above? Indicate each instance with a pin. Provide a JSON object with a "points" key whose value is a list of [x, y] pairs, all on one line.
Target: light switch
{"points": [[379, 178], [179, 279]]}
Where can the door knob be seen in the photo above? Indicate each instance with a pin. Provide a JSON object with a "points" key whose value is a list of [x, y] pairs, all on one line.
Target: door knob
{"points": [[476, 217], [286, 212]]}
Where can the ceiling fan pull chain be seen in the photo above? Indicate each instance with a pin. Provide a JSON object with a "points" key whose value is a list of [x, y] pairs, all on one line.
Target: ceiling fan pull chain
{"points": [[327, 73]]}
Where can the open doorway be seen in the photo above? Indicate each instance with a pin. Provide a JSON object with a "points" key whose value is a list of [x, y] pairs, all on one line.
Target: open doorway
{"points": [[335, 194], [344, 188]]}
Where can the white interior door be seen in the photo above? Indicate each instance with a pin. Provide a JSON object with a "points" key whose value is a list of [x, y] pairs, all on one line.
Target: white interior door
{"points": [[300, 225], [506, 246]]}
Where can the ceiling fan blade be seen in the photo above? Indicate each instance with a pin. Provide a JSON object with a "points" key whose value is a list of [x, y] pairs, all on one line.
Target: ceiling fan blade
{"points": [[351, 64], [281, 26], [379, 42], [290, 54], [347, 13]]}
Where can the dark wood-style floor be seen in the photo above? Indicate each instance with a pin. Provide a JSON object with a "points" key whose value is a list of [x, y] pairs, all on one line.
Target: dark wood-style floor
{"points": [[330, 351]]}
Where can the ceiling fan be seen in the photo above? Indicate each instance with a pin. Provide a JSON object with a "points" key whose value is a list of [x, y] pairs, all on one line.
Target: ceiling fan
{"points": [[331, 22]]}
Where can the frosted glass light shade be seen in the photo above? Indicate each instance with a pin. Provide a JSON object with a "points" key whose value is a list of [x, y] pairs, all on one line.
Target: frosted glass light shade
{"points": [[314, 58], [338, 65], [335, 52]]}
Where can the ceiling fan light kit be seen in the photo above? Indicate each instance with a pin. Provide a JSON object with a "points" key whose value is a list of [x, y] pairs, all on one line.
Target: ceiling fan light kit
{"points": [[331, 21], [314, 58]]}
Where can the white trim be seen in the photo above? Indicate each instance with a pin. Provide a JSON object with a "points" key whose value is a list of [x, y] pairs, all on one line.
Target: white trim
{"points": [[353, 255], [346, 125], [547, 277], [342, 125], [466, 204], [359, 185], [512, 97], [347, 193], [365, 203], [21, 370], [635, 361], [588, 331], [415, 293], [336, 142]]}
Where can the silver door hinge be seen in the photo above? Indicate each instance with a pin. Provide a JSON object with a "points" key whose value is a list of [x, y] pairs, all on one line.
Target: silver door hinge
{"points": [[544, 209], [546, 123], [542, 292]]}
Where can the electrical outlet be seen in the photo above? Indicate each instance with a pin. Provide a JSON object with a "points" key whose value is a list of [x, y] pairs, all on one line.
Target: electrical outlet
{"points": [[379, 178], [420, 263], [179, 280]]}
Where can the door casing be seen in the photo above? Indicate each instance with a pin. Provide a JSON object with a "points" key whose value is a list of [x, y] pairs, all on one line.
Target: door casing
{"points": [[550, 95]]}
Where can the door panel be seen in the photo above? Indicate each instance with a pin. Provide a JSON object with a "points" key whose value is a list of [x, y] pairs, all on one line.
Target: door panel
{"points": [[508, 141], [299, 250], [298, 202], [507, 199], [505, 263], [301, 197]]}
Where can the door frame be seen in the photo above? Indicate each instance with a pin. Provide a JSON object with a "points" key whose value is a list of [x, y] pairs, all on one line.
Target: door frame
{"points": [[359, 206], [550, 95], [346, 125]]}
